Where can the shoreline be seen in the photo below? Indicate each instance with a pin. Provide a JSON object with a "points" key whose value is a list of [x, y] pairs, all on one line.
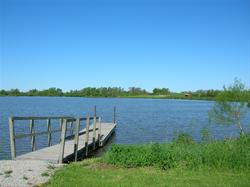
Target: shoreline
{"points": [[26, 172], [126, 97]]}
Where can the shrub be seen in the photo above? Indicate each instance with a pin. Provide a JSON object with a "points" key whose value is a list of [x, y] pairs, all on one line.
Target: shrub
{"points": [[230, 153], [183, 138]]}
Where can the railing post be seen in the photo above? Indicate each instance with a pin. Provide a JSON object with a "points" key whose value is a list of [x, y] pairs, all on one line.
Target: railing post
{"points": [[33, 137], [70, 126], [62, 142], [12, 138], [87, 137], [94, 128], [49, 132], [99, 130], [76, 137], [114, 115], [60, 126]]}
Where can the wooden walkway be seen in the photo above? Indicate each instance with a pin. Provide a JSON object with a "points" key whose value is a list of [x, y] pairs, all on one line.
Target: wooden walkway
{"points": [[77, 145], [51, 154]]}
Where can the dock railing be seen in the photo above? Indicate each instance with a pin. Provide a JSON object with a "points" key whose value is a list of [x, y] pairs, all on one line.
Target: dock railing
{"points": [[64, 122]]}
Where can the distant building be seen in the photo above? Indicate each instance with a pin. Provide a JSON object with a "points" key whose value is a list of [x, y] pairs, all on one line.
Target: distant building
{"points": [[188, 95]]}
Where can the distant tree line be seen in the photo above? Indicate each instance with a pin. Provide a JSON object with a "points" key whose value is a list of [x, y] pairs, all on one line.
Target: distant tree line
{"points": [[110, 92], [206, 93], [85, 92]]}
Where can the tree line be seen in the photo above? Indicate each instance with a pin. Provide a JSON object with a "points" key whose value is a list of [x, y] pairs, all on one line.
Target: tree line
{"points": [[108, 92], [85, 92]]}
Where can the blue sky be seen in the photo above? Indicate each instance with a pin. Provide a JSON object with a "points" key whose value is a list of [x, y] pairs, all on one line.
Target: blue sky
{"points": [[179, 44]]}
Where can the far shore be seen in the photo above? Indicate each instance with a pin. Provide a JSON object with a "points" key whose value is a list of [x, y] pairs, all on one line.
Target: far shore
{"points": [[124, 97]]}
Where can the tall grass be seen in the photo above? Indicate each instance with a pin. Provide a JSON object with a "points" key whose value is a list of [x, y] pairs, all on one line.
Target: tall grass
{"points": [[184, 152]]}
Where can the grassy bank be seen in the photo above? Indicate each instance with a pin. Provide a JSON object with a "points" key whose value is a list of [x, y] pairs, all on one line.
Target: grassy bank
{"points": [[95, 173], [172, 96], [183, 152], [181, 163]]}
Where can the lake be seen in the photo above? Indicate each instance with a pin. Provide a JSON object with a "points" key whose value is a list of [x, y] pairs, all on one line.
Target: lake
{"points": [[158, 120]]}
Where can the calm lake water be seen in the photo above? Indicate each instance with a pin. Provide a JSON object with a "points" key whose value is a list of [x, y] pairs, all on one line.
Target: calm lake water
{"points": [[139, 120]]}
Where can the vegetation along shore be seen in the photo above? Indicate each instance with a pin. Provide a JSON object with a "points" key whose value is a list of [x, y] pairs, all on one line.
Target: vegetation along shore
{"points": [[132, 92], [182, 162]]}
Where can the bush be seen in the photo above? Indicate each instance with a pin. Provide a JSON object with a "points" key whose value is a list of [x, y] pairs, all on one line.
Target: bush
{"points": [[183, 138], [231, 153]]}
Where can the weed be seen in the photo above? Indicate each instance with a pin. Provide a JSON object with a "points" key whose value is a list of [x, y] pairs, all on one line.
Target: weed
{"points": [[45, 174], [184, 152], [51, 167]]}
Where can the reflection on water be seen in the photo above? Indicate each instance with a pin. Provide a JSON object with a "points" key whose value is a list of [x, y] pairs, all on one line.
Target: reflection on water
{"points": [[139, 120]]}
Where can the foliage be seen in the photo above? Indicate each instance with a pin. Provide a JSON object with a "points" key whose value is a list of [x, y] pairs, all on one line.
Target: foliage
{"points": [[205, 134], [91, 172], [161, 91], [52, 92], [106, 92], [206, 93], [85, 92], [12, 92], [231, 154], [231, 105], [132, 92], [136, 91], [183, 138]]}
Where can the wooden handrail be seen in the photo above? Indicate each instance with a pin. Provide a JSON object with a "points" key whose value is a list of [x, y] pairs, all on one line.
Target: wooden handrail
{"points": [[62, 141], [49, 118], [87, 137], [74, 123], [12, 138], [18, 136], [77, 128], [94, 128], [49, 131], [114, 114], [40, 118]]}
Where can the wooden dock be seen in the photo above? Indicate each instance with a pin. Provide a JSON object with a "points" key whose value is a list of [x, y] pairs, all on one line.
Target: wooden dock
{"points": [[78, 145]]}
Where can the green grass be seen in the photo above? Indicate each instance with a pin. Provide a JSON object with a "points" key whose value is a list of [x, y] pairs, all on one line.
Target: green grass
{"points": [[228, 154], [180, 163], [93, 173], [172, 96]]}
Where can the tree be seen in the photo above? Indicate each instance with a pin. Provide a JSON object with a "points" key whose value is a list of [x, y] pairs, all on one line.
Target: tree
{"points": [[3, 93], [33, 92], [14, 92], [231, 105], [51, 92], [136, 91], [161, 91]]}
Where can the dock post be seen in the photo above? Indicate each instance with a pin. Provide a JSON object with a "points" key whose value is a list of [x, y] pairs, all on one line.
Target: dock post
{"points": [[70, 127], [12, 138], [87, 137], [33, 137], [76, 138], [60, 125], [114, 115], [94, 128], [62, 142], [99, 130], [49, 132]]}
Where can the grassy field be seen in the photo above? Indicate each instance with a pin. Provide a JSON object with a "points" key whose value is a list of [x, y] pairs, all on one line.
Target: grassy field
{"points": [[184, 152], [172, 96], [180, 163], [93, 172]]}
